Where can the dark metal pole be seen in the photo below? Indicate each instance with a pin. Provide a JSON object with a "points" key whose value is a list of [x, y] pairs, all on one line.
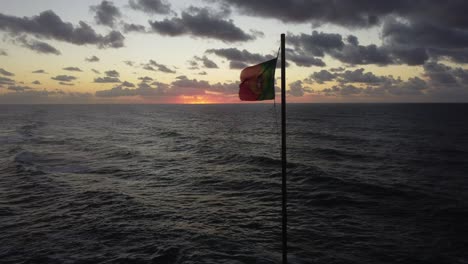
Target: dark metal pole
{"points": [[283, 149]]}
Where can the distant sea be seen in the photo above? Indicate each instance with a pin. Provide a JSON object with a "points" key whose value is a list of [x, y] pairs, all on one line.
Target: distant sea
{"points": [[368, 183]]}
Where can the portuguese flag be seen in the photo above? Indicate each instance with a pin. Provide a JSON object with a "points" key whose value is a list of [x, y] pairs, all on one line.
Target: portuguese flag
{"points": [[258, 82]]}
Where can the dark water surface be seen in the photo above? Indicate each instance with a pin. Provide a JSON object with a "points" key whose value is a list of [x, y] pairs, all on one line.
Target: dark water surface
{"points": [[368, 183]]}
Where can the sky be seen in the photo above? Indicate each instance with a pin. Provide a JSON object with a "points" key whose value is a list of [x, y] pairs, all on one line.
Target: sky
{"points": [[158, 51]]}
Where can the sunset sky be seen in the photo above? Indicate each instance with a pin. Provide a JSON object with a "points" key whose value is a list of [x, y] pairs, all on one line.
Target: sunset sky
{"points": [[156, 51]]}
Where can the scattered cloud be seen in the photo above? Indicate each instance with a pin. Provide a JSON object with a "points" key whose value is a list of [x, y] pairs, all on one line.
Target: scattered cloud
{"points": [[64, 78], [106, 13], [19, 88], [95, 71], [112, 73], [92, 59], [48, 25], [154, 66], [133, 28], [106, 80], [6, 73], [127, 84], [66, 84], [40, 72], [3, 53], [201, 23], [75, 69], [207, 63], [151, 6], [30, 96], [239, 58], [145, 79], [36, 82], [36, 45], [6, 81]]}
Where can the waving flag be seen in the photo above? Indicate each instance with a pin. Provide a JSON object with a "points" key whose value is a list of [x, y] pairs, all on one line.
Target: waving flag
{"points": [[258, 82]]}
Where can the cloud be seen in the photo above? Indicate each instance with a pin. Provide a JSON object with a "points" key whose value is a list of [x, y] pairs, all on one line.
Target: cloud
{"points": [[133, 28], [207, 63], [37, 46], [322, 76], [40, 72], [112, 73], [64, 78], [66, 84], [6, 81], [36, 82], [358, 76], [239, 58], [127, 84], [3, 53], [106, 80], [201, 23], [30, 96], [297, 89], [317, 43], [154, 66], [129, 63], [304, 60], [19, 88], [95, 71], [6, 73], [145, 79], [50, 26], [92, 59], [106, 13], [182, 85], [75, 69], [184, 82], [151, 6]]}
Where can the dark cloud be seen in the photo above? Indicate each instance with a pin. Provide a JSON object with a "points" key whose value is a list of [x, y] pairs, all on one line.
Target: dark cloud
{"points": [[322, 76], [50, 26], [75, 69], [316, 44], [127, 84], [154, 66], [184, 82], [6, 81], [297, 89], [201, 23], [37, 46], [64, 78], [145, 79], [443, 75], [133, 28], [151, 6], [203, 73], [6, 73], [304, 60], [106, 13], [92, 59], [112, 73], [239, 59], [44, 97], [66, 84], [207, 63], [143, 89], [129, 63], [19, 88], [106, 80], [358, 76], [3, 53], [36, 82], [96, 71]]}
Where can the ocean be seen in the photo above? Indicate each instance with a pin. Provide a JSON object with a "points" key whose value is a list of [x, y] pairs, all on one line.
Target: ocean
{"points": [[367, 183]]}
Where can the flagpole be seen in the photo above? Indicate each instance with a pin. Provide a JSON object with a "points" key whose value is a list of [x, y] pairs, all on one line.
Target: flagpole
{"points": [[283, 151]]}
